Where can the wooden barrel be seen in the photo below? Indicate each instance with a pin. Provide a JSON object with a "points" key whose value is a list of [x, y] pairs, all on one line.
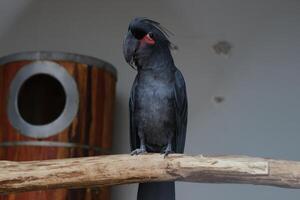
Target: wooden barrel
{"points": [[55, 105]]}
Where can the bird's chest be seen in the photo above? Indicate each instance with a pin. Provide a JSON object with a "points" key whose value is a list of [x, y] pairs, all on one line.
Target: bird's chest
{"points": [[154, 96], [154, 110]]}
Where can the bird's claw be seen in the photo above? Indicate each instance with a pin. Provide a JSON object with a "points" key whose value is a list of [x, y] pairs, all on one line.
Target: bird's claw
{"points": [[138, 152], [167, 152]]}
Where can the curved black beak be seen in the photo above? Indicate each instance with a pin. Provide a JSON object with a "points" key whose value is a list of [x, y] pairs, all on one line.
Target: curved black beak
{"points": [[130, 46]]}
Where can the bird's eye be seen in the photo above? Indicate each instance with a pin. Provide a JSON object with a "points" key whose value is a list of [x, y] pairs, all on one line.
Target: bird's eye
{"points": [[138, 33], [150, 34]]}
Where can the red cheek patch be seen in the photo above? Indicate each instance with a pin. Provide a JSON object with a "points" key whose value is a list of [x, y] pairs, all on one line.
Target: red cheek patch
{"points": [[147, 39]]}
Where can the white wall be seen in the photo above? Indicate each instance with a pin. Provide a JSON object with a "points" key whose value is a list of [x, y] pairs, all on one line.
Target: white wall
{"points": [[260, 80]]}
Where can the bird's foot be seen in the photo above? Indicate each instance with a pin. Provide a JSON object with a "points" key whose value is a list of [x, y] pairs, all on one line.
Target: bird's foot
{"points": [[166, 152], [138, 151]]}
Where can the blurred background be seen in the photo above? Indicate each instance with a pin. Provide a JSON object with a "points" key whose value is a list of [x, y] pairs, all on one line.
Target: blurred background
{"points": [[245, 101]]}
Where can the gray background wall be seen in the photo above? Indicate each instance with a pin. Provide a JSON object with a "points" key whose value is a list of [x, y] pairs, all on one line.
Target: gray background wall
{"points": [[260, 79]]}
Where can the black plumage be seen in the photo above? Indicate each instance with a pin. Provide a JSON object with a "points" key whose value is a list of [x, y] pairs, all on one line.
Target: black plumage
{"points": [[158, 101]]}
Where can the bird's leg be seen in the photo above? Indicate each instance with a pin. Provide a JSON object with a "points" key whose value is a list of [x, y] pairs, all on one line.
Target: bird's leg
{"points": [[142, 148], [168, 149]]}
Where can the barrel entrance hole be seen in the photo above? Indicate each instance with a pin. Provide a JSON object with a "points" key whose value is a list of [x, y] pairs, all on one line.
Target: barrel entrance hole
{"points": [[41, 99]]}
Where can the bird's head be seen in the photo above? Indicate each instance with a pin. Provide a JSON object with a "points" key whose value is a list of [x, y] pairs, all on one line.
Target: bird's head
{"points": [[144, 37]]}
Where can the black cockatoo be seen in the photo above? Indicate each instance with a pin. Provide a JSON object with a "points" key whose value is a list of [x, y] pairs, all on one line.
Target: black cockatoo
{"points": [[158, 101]]}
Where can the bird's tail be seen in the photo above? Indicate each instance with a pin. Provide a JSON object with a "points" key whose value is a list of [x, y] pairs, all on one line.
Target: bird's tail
{"points": [[156, 191]]}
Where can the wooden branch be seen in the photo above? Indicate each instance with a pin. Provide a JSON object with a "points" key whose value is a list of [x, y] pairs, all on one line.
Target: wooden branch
{"points": [[125, 169]]}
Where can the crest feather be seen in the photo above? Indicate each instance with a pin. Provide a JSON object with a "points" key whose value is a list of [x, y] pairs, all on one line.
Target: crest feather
{"points": [[166, 32]]}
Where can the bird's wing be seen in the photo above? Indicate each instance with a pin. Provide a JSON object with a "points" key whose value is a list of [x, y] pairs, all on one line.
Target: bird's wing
{"points": [[134, 139], [181, 108]]}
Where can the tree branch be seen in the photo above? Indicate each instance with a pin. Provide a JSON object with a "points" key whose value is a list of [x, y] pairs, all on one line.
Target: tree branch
{"points": [[125, 169]]}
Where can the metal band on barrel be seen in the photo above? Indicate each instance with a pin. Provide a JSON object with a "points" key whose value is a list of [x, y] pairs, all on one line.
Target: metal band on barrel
{"points": [[59, 56], [54, 144]]}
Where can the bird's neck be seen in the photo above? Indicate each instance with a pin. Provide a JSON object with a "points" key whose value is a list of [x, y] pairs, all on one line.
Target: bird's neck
{"points": [[159, 60]]}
